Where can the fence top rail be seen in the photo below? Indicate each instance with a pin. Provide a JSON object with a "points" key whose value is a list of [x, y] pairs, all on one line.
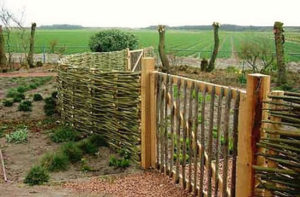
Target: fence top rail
{"points": [[203, 84], [137, 50]]}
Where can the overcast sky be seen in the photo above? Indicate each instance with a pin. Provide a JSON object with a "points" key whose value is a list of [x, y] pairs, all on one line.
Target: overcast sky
{"points": [[142, 13]]}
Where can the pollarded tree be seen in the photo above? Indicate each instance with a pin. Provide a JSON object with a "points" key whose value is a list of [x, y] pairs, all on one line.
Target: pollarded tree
{"points": [[31, 46], [211, 65], [112, 40], [161, 48], [2, 50], [279, 41]]}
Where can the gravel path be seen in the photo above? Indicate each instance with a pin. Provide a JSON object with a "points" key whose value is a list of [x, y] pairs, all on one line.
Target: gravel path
{"points": [[148, 183]]}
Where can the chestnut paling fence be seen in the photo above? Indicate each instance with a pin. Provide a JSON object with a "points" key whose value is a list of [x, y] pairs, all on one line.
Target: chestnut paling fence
{"points": [[197, 125]]}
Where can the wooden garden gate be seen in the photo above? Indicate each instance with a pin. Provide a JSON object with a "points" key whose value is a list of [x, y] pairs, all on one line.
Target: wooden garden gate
{"points": [[202, 135]]}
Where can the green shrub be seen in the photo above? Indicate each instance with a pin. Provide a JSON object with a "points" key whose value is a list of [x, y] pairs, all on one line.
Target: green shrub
{"points": [[50, 106], [72, 152], [125, 154], [98, 140], [112, 40], [232, 69], [242, 79], [187, 157], [84, 166], [55, 162], [33, 86], [12, 92], [64, 134], [18, 97], [119, 163], [54, 95], [8, 102], [18, 136], [37, 176], [87, 146], [21, 89], [37, 97], [25, 106]]}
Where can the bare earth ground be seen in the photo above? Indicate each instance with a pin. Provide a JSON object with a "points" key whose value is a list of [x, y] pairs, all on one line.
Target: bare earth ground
{"points": [[19, 158]]}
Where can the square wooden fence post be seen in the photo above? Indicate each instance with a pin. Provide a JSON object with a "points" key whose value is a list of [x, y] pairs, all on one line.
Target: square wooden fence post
{"points": [[250, 121], [148, 113]]}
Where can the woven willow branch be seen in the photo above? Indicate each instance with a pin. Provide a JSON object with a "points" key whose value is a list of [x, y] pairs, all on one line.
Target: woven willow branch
{"points": [[97, 95]]}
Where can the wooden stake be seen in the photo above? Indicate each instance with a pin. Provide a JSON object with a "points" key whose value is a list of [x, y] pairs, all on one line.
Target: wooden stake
{"points": [[3, 166], [250, 120], [147, 126]]}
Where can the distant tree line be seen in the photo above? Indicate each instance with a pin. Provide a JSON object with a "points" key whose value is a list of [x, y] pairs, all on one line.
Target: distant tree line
{"points": [[61, 26], [226, 27]]}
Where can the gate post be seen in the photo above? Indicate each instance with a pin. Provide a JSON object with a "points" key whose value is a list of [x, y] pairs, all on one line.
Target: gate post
{"points": [[250, 121], [148, 114]]}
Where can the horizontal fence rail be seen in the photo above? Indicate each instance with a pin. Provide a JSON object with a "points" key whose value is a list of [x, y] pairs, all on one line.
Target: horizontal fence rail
{"points": [[197, 125]]}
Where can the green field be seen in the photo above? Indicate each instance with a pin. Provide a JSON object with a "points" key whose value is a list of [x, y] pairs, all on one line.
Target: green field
{"points": [[181, 43]]}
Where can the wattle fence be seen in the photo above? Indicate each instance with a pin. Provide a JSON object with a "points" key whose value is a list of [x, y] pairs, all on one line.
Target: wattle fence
{"points": [[98, 93], [280, 176]]}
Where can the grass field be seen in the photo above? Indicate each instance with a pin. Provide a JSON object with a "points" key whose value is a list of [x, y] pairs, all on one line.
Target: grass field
{"points": [[181, 43]]}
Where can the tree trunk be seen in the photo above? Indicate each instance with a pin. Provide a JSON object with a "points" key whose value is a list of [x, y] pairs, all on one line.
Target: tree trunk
{"points": [[204, 64], [211, 65], [161, 49], [279, 41], [2, 51], [31, 47]]}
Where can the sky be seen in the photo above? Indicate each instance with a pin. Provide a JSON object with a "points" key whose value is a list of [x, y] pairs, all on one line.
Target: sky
{"points": [[142, 13]]}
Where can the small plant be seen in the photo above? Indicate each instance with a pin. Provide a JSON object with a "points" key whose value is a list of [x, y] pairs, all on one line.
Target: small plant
{"points": [[33, 86], [37, 176], [87, 146], [50, 106], [8, 103], [187, 157], [2, 129], [64, 134], [232, 69], [54, 95], [119, 163], [72, 152], [84, 166], [37, 97], [25, 106], [17, 96], [98, 140], [11, 93], [55, 162], [21, 89], [125, 154], [242, 79], [19, 136]]}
